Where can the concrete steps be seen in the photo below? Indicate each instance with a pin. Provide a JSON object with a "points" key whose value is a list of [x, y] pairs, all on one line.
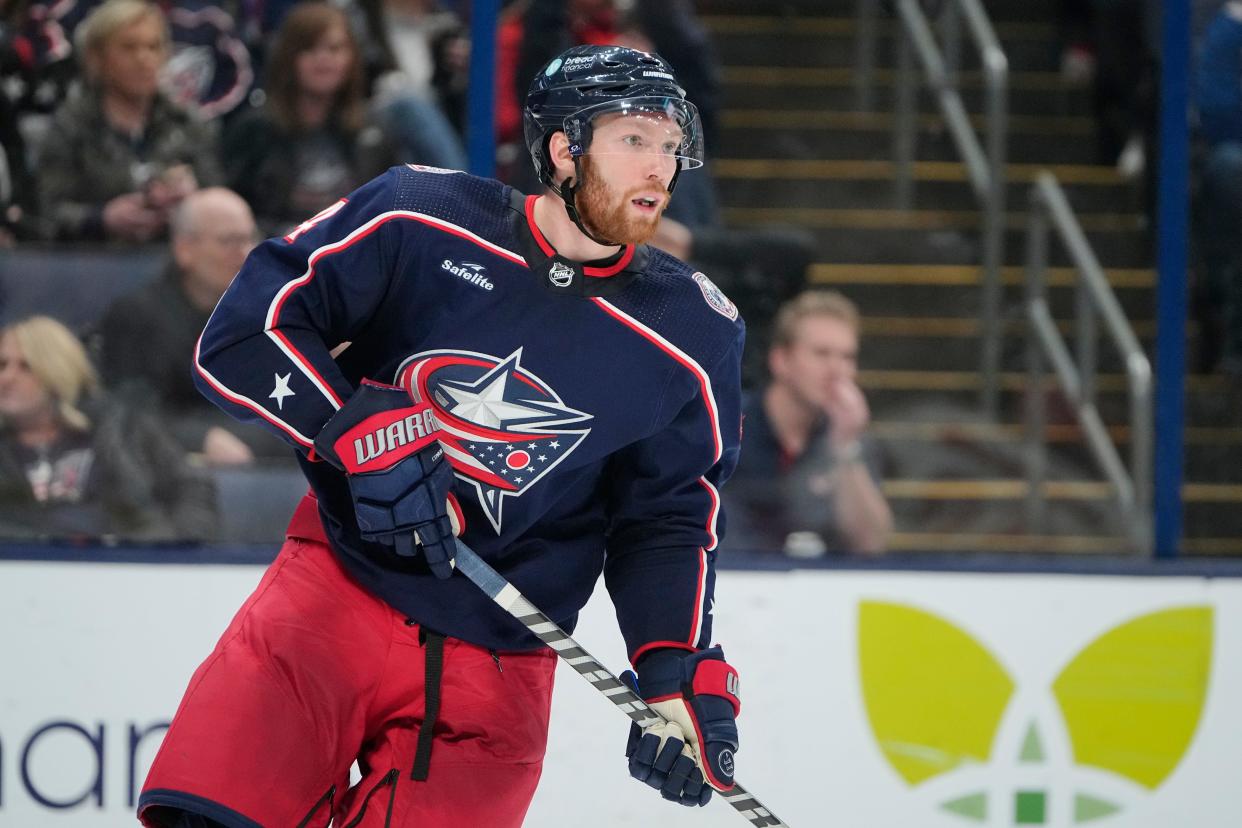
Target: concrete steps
{"points": [[754, 39], [833, 88], [796, 149], [931, 236], [869, 183]]}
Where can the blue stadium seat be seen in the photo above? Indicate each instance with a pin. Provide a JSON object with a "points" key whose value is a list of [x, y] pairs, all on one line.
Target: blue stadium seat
{"points": [[75, 285], [257, 501]]}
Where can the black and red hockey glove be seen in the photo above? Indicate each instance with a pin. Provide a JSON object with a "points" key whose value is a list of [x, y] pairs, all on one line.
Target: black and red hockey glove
{"points": [[692, 753], [398, 475]]}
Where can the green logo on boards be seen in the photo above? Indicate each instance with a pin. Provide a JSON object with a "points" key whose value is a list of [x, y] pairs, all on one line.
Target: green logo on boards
{"points": [[949, 717]]}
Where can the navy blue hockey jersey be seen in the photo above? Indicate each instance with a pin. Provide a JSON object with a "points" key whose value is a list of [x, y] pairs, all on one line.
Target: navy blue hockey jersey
{"points": [[591, 412]]}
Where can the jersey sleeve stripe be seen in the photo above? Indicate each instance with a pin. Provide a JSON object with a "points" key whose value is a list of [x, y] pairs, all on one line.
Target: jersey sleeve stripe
{"points": [[715, 513], [709, 401], [246, 402], [705, 383], [272, 321], [305, 366], [697, 626]]}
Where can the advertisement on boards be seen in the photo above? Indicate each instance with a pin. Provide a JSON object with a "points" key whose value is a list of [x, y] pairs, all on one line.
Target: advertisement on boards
{"points": [[869, 698]]}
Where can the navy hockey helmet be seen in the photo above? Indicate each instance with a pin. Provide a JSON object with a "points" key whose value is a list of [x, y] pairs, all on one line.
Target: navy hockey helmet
{"points": [[586, 82]]}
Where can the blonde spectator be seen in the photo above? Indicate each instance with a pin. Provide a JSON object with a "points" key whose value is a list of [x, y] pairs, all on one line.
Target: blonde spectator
{"points": [[119, 155], [74, 463]]}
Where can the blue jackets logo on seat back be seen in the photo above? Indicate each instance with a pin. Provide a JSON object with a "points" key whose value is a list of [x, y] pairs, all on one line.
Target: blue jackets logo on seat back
{"points": [[503, 428]]}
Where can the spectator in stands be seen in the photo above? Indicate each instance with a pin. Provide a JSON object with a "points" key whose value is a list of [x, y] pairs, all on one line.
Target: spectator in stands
{"points": [[1218, 97], [35, 68], [146, 340], [808, 478], [208, 70], [414, 42], [119, 155], [76, 463], [312, 141]]}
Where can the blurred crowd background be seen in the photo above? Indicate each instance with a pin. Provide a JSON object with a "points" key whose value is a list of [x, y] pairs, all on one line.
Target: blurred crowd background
{"points": [[148, 146]]}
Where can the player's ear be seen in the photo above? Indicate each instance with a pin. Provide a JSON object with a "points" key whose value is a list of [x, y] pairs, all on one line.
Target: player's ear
{"points": [[558, 153]]}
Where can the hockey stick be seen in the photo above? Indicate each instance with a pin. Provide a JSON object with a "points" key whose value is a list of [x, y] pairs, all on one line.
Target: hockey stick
{"points": [[513, 602]]}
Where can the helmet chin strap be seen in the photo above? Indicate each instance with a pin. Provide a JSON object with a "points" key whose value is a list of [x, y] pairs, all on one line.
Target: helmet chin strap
{"points": [[567, 190]]}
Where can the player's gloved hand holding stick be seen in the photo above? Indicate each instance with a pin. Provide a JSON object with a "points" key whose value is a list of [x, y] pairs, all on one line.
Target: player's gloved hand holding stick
{"points": [[696, 693], [398, 475], [627, 701]]}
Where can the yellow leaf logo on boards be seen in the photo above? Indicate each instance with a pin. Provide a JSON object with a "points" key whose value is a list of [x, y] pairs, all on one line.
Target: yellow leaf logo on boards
{"points": [[1130, 702]]}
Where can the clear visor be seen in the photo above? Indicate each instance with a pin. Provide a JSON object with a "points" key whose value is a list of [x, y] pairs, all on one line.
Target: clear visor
{"points": [[655, 125]]}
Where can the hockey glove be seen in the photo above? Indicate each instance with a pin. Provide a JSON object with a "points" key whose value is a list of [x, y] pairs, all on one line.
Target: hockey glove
{"points": [[398, 475], [691, 753]]}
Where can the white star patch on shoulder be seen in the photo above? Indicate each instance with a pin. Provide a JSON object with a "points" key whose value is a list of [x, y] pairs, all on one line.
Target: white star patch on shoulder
{"points": [[282, 390]]}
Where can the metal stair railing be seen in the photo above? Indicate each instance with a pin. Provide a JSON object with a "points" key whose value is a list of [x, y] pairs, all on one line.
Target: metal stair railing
{"points": [[984, 161], [1132, 489]]}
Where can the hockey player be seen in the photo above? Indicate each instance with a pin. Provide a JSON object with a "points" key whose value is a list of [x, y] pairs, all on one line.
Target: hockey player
{"points": [[519, 370]]}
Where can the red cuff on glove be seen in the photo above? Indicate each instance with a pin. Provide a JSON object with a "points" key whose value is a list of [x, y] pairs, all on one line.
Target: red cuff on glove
{"points": [[717, 678]]}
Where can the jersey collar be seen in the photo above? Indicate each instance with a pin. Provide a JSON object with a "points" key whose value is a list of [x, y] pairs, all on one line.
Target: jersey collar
{"points": [[561, 275]]}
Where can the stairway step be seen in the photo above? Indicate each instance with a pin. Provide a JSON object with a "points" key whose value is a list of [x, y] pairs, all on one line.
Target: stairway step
{"points": [[958, 246], [1074, 508], [1209, 399], [838, 218], [1212, 454], [1015, 543], [939, 353], [953, 291], [994, 490], [1108, 384], [918, 342], [898, 431], [1045, 127], [856, 140], [873, 193], [921, 171], [998, 10], [938, 236], [909, 220], [832, 41], [834, 88], [871, 184], [918, 274], [966, 327], [722, 24]]}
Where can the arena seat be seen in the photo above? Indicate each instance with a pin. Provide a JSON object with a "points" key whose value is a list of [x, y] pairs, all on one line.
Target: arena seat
{"points": [[73, 284], [256, 501]]}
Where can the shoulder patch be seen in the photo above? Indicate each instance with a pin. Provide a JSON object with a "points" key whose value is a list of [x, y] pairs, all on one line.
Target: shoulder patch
{"points": [[436, 170], [715, 297]]}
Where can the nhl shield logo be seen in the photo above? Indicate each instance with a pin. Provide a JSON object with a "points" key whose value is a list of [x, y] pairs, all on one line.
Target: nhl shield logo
{"points": [[503, 428], [560, 274], [715, 297]]}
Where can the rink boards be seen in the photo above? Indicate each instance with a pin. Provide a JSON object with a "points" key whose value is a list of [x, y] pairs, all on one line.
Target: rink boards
{"points": [[871, 697]]}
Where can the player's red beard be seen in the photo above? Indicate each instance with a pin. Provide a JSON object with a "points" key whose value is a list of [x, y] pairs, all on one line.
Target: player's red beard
{"points": [[604, 212]]}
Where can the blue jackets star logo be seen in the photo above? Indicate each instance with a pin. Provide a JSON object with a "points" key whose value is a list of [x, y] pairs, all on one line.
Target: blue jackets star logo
{"points": [[503, 428]]}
